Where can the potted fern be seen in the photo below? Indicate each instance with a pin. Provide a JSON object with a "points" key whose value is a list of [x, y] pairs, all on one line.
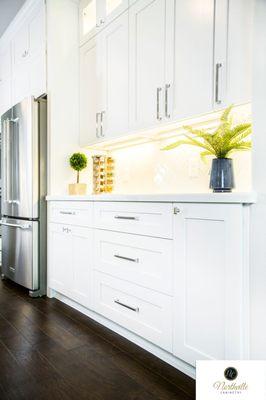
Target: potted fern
{"points": [[78, 161], [220, 143]]}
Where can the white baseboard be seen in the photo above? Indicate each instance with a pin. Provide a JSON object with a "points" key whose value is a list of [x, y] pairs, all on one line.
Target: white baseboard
{"points": [[151, 348]]}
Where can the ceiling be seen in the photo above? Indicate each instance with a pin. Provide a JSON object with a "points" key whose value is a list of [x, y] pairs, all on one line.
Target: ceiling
{"points": [[8, 10]]}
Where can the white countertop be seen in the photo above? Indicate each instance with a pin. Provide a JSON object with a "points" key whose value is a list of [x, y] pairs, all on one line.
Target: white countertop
{"points": [[241, 198]]}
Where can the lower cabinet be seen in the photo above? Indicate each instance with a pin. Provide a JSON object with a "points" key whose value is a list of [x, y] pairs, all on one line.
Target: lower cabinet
{"points": [[70, 260], [209, 282], [187, 294]]}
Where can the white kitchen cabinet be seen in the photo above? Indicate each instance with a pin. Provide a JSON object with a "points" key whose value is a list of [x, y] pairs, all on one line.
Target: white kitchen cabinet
{"points": [[209, 282], [104, 83], [190, 92], [115, 79], [5, 79], [70, 249], [29, 55], [95, 15], [90, 90], [240, 53], [150, 31]]}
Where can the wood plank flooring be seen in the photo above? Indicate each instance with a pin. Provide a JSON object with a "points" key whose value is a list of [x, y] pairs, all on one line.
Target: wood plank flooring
{"points": [[50, 351]]}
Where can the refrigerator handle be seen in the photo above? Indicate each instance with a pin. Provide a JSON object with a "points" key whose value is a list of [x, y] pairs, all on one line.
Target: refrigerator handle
{"points": [[6, 150], [22, 226]]}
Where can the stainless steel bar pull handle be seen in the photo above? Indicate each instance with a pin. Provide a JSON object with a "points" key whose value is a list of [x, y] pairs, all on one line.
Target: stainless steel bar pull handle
{"points": [[23, 226], [136, 260], [125, 217], [102, 114], [217, 83], [158, 92], [135, 309], [167, 87], [97, 124]]}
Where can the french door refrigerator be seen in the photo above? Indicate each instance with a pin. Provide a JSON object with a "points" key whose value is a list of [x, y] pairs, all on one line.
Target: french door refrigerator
{"points": [[23, 222]]}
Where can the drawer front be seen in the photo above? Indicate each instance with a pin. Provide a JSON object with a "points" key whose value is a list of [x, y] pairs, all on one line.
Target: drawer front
{"points": [[142, 311], [151, 219], [143, 260], [71, 213]]}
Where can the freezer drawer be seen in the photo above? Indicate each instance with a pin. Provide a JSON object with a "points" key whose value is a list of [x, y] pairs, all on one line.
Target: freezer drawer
{"points": [[20, 252]]}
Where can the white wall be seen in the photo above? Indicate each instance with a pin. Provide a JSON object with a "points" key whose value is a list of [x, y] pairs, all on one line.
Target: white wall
{"points": [[258, 213], [63, 83]]}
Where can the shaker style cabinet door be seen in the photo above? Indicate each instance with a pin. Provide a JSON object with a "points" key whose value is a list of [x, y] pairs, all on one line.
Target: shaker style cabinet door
{"points": [[240, 36], [90, 92], [191, 90], [70, 261], [60, 258], [209, 282], [114, 74], [149, 31], [29, 55]]}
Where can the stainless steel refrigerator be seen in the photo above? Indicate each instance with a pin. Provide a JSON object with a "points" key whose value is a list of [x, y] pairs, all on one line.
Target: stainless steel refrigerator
{"points": [[24, 178]]}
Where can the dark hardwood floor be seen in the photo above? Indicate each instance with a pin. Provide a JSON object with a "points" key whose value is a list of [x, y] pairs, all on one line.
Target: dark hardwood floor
{"points": [[50, 351]]}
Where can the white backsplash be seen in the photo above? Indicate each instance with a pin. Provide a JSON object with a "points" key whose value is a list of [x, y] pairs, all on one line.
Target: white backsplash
{"points": [[145, 168]]}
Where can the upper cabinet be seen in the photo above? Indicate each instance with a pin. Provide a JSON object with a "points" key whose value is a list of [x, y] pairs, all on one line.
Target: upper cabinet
{"points": [[162, 61], [149, 36], [96, 14], [190, 73], [5, 78], [104, 83], [28, 45], [23, 56]]}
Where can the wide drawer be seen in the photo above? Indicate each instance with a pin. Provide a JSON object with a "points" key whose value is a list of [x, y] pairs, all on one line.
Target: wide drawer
{"points": [[146, 261], [151, 219], [71, 213], [142, 311]]}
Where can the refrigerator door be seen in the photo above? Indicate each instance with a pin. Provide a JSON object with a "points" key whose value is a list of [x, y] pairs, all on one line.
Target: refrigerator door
{"points": [[20, 161], [20, 252]]}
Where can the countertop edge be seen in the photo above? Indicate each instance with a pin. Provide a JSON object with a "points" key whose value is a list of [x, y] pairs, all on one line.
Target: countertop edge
{"points": [[222, 198]]}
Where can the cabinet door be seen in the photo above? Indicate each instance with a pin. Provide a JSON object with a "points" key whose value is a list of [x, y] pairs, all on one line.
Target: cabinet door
{"points": [[5, 95], [70, 250], [81, 265], [148, 29], [114, 48], [20, 46], [209, 320], [240, 58], [21, 83], [37, 51], [60, 258], [191, 91], [90, 91], [5, 65]]}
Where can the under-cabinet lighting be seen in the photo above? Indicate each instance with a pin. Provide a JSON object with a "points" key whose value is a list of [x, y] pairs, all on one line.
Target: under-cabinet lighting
{"points": [[164, 133]]}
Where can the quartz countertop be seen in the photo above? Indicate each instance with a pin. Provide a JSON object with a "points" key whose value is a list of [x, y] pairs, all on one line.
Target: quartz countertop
{"points": [[231, 198]]}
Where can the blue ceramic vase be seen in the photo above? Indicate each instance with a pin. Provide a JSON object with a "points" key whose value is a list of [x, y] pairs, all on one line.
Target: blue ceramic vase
{"points": [[222, 175]]}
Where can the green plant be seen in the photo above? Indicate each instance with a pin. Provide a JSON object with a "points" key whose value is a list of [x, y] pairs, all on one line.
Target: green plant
{"points": [[78, 162], [221, 142]]}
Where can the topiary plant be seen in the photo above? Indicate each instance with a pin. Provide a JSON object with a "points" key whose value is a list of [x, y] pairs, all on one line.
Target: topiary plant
{"points": [[78, 161], [222, 142]]}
